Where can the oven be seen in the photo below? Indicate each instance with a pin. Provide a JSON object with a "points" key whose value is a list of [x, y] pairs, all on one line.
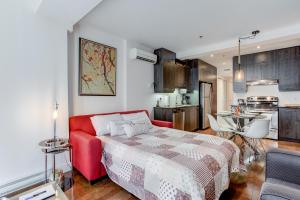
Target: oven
{"points": [[267, 106]]}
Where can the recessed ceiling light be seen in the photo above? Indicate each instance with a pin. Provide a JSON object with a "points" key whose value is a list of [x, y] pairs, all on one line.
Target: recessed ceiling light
{"points": [[212, 55], [224, 63], [258, 47]]}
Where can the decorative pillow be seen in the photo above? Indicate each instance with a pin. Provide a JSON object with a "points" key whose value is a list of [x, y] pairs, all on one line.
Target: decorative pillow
{"points": [[116, 127], [101, 123], [136, 128], [140, 116]]}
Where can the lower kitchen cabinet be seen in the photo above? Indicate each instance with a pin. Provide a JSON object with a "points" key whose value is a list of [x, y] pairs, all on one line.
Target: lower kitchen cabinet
{"points": [[289, 124], [185, 118], [191, 118]]}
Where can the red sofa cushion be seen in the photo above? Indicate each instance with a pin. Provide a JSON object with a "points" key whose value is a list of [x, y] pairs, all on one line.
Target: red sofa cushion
{"points": [[83, 122]]}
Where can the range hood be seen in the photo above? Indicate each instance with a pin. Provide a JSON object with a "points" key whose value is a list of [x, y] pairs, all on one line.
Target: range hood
{"points": [[263, 82]]}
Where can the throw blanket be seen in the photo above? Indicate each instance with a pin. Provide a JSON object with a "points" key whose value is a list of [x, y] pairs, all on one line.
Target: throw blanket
{"points": [[170, 164]]}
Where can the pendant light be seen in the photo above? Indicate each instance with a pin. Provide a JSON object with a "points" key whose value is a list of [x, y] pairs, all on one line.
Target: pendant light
{"points": [[240, 74]]}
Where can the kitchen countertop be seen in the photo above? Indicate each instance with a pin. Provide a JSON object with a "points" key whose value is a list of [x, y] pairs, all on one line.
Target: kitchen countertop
{"points": [[296, 106], [178, 106]]}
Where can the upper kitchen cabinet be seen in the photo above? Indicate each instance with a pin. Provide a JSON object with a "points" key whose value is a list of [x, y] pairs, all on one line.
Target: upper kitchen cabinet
{"points": [[193, 80], [282, 65], [239, 86], [169, 73], [288, 62], [261, 66]]}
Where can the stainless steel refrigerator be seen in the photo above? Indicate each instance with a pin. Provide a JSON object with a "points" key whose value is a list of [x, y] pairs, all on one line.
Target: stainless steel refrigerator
{"points": [[205, 98]]}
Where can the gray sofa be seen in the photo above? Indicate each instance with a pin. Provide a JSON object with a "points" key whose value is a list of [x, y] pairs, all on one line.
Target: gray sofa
{"points": [[282, 176]]}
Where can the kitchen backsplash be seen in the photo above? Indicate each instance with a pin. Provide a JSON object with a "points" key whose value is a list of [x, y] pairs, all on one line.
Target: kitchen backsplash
{"points": [[269, 90], [169, 99]]}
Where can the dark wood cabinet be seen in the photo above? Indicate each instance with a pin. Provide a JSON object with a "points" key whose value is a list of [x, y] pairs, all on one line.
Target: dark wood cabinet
{"points": [[165, 114], [288, 63], [193, 80], [181, 76], [191, 116], [289, 124], [163, 72], [261, 66], [239, 86], [169, 74], [282, 65]]}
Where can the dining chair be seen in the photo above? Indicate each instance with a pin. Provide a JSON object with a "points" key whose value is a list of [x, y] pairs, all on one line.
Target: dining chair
{"points": [[256, 132], [220, 130]]}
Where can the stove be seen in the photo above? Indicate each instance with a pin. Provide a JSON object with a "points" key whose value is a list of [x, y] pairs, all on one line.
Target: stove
{"points": [[262, 103], [268, 106]]}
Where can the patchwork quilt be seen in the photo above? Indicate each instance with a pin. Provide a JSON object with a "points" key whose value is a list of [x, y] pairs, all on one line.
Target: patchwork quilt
{"points": [[170, 164]]}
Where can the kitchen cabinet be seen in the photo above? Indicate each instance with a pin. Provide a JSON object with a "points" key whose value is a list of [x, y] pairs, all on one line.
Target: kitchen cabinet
{"points": [[288, 62], [168, 73], [289, 124], [239, 86], [282, 65], [190, 118], [261, 66], [163, 73], [181, 76], [193, 81]]}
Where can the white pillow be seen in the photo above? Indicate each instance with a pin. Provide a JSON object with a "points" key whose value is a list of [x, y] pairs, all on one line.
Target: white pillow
{"points": [[140, 116], [101, 123], [136, 128], [116, 127]]}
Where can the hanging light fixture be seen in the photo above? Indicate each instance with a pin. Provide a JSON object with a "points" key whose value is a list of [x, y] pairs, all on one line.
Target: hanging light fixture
{"points": [[240, 74]]}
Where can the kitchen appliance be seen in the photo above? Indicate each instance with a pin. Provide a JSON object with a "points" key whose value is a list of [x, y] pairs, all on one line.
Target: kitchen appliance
{"points": [[267, 106], [262, 103], [205, 103]]}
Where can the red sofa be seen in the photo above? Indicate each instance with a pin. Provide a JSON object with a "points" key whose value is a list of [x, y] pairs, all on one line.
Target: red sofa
{"points": [[87, 149]]}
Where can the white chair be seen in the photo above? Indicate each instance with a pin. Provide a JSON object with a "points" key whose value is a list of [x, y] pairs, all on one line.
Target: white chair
{"points": [[220, 130], [256, 131]]}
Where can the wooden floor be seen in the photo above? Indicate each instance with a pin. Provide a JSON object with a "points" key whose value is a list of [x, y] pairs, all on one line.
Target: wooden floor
{"points": [[107, 190]]}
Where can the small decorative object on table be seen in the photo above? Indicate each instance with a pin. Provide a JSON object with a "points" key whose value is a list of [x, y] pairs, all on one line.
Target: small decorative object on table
{"points": [[54, 146]]}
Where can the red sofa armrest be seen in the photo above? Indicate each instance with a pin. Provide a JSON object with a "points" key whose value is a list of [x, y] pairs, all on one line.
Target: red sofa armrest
{"points": [[162, 123], [86, 155]]}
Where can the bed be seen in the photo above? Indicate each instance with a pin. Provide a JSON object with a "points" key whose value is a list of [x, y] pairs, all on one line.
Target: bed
{"points": [[170, 164]]}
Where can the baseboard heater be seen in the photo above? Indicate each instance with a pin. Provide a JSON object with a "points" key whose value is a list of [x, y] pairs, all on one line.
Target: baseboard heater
{"points": [[21, 183]]}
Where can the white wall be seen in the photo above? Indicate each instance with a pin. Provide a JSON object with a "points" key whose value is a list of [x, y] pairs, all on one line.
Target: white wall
{"points": [[96, 104], [134, 77], [33, 68], [140, 78], [271, 90]]}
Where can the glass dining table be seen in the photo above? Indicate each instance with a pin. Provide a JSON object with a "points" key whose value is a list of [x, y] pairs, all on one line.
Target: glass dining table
{"points": [[239, 123]]}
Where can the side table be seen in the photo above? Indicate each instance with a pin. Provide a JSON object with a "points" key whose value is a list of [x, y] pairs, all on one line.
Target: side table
{"points": [[54, 147]]}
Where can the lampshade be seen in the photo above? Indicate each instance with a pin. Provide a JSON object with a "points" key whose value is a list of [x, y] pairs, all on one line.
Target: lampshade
{"points": [[55, 114], [239, 75]]}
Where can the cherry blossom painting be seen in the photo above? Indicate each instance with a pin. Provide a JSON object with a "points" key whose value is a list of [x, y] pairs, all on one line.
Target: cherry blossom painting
{"points": [[97, 70]]}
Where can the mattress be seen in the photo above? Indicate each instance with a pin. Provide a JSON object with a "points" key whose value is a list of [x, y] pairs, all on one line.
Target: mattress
{"points": [[170, 164]]}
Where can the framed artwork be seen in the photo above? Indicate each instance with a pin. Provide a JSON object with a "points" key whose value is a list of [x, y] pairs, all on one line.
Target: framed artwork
{"points": [[97, 69]]}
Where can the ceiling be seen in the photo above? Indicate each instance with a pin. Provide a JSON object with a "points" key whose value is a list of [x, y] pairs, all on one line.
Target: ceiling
{"points": [[177, 24]]}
